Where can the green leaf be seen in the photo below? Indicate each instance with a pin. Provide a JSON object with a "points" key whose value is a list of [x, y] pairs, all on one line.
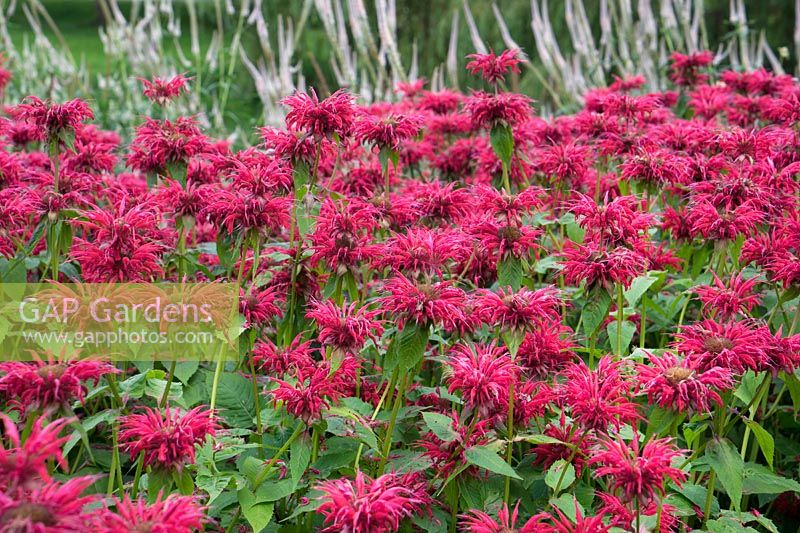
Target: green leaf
{"points": [[539, 439], [628, 329], [300, 456], [568, 505], [723, 457], [764, 439], [510, 272], [759, 480], [235, 399], [638, 287], [225, 249], [596, 310], [555, 472], [440, 425], [503, 143], [258, 514], [184, 370], [407, 348], [183, 480], [300, 175], [485, 457]]}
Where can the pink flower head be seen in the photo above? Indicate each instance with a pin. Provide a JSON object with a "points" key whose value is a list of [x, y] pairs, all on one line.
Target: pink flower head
{"points": [[523, 310], [173, 514], [422, 252], [367, 505], [547, 349], [346, 328], [638, 473], [681, 385], [288, 144], [493, 67], [51, 119], [312, 391], [737, 346], [480, 522], [333, 115], [259, 306], [439, 303], [49, 382], [51, 508], [615, 223], [489, 110], [596, 265], [685, 69], [277, 361], [159, 144], [168, 437], [24, 465], [446, 456], [387, 132], [483, 374], [727, 300], [412, 88], [598, 398], [162, 90], [575, 445]]}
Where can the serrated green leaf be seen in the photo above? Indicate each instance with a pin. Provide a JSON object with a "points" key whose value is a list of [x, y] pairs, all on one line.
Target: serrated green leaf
{"points": [[764, 440], [556, 471], [596, 310], [758, 479], [440, 425], [628, 330], [407, 348], [723, 457], [510, 272], [258, 514], [235, 399], [299, 457], [638, 287], [486, 458], [502, 139]]}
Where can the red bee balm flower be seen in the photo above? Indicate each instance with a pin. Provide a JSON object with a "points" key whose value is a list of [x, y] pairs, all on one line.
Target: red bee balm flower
{"points": [[51, 508], [25, 464], [365, 505], [638, 473], [307, 113], [345, 328], [387, 132], [483, 374], [437, 303], [167, 438], [489, 110], [480, 522], [162, 91], [727, 300], [49, 383], [598, 398], [52, 119], [681, 385], [173, 514], [493, 67]]}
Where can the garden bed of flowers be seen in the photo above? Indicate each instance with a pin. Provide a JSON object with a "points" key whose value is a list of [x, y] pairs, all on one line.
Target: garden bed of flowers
{"points": [[454, 315]]}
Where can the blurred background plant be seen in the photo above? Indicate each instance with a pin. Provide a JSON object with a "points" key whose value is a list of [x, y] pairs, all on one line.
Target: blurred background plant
{"points": [[244, 56]]}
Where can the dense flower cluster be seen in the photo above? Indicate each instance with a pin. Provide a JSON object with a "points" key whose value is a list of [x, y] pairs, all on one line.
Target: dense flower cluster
{"points": [[452, 314]]}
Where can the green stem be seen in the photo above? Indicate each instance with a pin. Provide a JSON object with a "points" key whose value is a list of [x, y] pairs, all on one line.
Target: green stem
{"points": [[220, 360], [620, 317], [137, 476], [263, 474], [712, 480], [510, 443], [387, 440]]}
